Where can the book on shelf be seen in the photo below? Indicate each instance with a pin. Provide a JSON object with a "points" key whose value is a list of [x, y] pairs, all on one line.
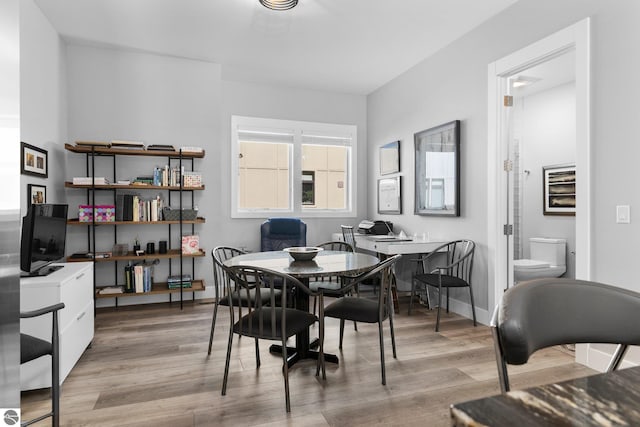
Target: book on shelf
{"points": [[160, 147], [123, 182], [94, 143], [86, 180], [109, 290], [120, 143], [191, 149], [176, 281]]}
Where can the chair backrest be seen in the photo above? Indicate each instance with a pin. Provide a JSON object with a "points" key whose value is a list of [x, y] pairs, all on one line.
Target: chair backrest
{"points": [[336, 246], [220, 254], [546, 312], [348, 236], [279, 233], [383, 270], [459, 259], [265, 289]]}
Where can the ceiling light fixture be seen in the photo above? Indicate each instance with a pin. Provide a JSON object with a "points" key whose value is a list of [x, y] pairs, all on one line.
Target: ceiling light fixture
{"points": [[279, 4]]}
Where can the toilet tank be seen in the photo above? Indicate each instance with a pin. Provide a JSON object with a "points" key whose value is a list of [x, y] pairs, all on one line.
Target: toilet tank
{"points": [[549, 250]]}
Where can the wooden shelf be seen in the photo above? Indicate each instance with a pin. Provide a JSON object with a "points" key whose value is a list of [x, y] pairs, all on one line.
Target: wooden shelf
{"points": [[69, 184], [131, 256], [158, 288], [199, 220], [107, 151]]}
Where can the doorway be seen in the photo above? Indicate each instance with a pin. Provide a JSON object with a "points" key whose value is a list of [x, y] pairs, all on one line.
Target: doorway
{"points": [[500, 165], [575, 40]]}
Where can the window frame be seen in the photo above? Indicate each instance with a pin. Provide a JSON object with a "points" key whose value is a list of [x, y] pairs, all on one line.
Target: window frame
{"points": [[299, 130]]}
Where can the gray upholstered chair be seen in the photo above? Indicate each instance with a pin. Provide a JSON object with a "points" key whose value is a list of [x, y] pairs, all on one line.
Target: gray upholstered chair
{"points": [[366, 310], [546, 312], [273, 320], [454, 271], [32, 348]]}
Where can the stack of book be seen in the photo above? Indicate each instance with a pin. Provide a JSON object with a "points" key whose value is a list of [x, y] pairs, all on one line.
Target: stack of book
{"points": [[138, 278], [131, 207], [86, 180], [174, 282]]}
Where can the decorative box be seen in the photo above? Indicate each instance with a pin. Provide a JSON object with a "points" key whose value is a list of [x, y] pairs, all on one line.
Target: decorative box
{"points": [[103, 213], [192, 179], [190, 245]]}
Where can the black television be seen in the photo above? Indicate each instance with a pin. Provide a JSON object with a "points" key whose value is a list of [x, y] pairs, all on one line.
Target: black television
{"points": [[44, 233]]}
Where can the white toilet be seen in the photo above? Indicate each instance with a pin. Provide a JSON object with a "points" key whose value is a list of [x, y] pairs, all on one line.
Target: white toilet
{"points": [[548, 259]]}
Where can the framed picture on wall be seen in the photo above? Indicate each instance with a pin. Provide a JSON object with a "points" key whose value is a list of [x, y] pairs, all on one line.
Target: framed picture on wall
{"points": [[559, 190], [37, 194], [390, 158], [389, 196], [33, 161]]}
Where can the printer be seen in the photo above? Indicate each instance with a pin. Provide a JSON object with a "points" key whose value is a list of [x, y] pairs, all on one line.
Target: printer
{"points": [[375, 227]]}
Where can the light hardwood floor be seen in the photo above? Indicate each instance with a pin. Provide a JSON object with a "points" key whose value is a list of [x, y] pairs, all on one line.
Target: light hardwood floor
{"points": [[148, 366]]}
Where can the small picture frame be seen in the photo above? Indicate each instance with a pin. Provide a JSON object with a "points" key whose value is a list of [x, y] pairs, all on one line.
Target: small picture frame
{"points": [[389, 196], [33, 160], [37, 194], [559, 190], [390, 158]]}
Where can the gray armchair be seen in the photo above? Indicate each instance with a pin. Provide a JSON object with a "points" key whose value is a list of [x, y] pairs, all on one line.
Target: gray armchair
{"points": [[546, 312]]}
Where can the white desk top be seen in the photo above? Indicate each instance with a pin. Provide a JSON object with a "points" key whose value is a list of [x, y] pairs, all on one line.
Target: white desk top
{"points": [[392, 246]]}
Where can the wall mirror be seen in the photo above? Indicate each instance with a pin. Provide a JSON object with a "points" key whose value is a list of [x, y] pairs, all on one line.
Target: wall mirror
{"points": [[437, 173]]}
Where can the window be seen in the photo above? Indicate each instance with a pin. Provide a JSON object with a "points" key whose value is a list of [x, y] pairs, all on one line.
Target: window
{"points": [[282, 167]]}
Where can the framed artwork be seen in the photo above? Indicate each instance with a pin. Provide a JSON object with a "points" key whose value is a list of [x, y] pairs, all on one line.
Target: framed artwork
{"points": [[437, 185], [37, 194], [390, 158], [33, 161], [559, 190], [389, 196]]}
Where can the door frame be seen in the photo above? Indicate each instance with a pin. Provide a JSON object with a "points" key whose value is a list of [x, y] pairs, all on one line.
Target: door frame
{"points": [[576, 37]]}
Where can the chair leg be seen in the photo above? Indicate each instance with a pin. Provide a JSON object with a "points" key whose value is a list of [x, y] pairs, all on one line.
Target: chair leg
{"points": [[413, 291], [447, 300], [473, 306], [314, 305], [257, 354], [213, 325], [55, 386], [393, 337], [285, 373], [320, 362], [226, 365], [384, 378], [341, 332], [439, 304]]}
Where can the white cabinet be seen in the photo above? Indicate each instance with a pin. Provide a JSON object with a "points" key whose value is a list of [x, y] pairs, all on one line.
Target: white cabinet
{"points": [[72, 285]]}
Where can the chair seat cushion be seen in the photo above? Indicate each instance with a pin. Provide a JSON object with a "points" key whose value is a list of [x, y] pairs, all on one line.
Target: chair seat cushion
{"points": [[296, 321], [31, 348], [240, 298], [447, 281], [353, 308]]}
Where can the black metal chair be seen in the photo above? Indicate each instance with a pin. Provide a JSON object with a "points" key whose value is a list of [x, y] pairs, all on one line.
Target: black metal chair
{"points": [[279, 233], [546, 312], [32, 348], [348, 235], [271, 321], [332, 286], [236, 299], [455, 272], [365, 310]]}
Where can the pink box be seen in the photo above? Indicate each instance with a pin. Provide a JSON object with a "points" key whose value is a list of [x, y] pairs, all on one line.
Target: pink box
{"points": [[103, 213]]}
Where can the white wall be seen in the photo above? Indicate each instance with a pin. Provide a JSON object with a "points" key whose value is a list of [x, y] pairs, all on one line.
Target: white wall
{"points": [[452, 85], [548, 138], [116, 94], [254, 100], [43, 98]]}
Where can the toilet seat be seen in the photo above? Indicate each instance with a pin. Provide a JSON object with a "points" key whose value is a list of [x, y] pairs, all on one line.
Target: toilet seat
{"points": [[530, 264]]}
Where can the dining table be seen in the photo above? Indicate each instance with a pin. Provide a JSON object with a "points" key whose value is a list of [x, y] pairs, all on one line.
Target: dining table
{"points": [[325, 264]]}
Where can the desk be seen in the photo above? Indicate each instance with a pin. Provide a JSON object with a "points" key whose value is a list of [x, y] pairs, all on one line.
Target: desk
{"points": [[598, 400], [384, 245], [326, 263]]}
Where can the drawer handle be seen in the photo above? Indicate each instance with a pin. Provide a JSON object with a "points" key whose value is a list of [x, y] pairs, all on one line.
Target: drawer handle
{"points": [[81, 315], [80, 276]]}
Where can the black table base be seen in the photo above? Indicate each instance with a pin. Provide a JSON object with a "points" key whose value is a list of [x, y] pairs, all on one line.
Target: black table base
{"points": [[295, 355]]}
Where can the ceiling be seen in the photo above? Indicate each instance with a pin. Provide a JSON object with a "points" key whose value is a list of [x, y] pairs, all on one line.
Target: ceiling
{"points": [[350, 46]]}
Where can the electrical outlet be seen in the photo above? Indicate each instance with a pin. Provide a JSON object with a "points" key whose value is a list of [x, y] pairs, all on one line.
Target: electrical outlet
{"points": [[623, 214]]}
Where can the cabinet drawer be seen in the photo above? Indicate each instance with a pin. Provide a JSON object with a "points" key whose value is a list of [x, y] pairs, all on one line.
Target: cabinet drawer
{"points": [[75, 293]]}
